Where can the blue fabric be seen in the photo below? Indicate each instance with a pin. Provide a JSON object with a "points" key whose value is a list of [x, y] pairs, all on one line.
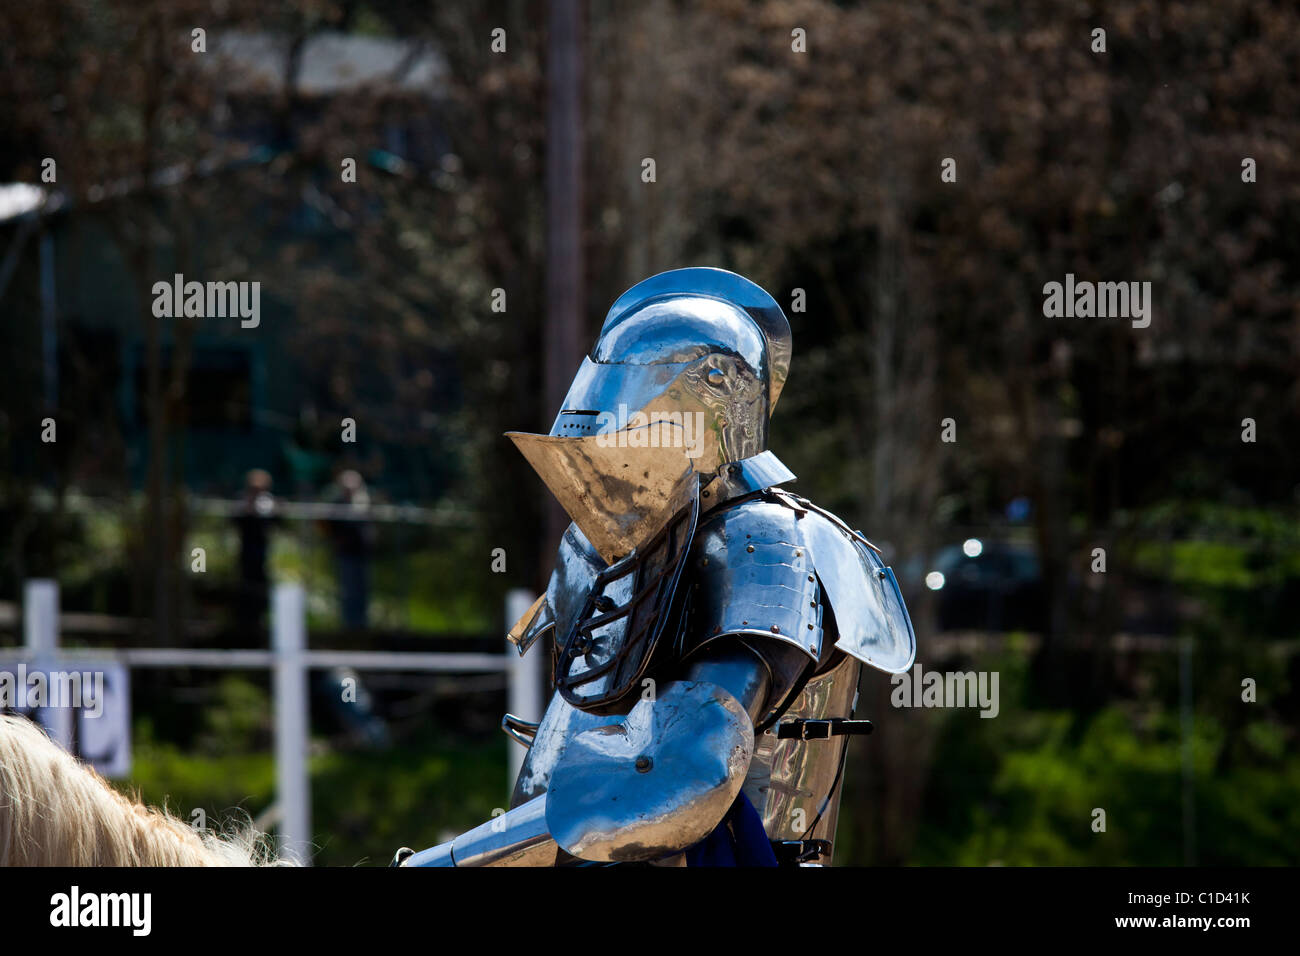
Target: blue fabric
{"points": [[739, 840]]}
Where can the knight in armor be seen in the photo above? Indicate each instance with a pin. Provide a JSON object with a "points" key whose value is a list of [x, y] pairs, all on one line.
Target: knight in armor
{"points": [[709, 626]]}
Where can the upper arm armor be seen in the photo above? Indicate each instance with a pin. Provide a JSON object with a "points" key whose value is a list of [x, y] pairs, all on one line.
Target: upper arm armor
{"points": [[752, 577], [761, 571]]}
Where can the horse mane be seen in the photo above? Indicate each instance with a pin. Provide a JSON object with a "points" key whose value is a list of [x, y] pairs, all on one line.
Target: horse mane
{"points": [[56, 811]]}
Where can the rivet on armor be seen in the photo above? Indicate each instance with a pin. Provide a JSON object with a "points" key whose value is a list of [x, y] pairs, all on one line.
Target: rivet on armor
{"points": [[776, 629], [810, 627], [798, 554], [810, 577], [750, 548], [745, 623], [643, 764], [716, 376]]}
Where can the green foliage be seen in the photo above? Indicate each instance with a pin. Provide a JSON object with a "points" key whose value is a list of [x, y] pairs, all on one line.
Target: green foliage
{"points": [[417, 795], [1021, 790], [1203, 546], [238, 720], [221, 785], [365, 804]]}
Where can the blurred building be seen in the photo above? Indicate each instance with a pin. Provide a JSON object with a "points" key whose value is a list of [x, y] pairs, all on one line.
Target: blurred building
{"points": [[71, 309]]}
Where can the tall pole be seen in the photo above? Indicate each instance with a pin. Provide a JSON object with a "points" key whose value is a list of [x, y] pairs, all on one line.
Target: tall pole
{"points": [[564, 262], [41, 618], [292, 715], [41, 638]]}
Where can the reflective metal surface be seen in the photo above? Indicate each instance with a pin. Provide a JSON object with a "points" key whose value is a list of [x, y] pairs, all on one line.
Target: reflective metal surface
{"points": [[724, 285], [764, 470], [752, 573], [439, 855], [515, 838], [737, 669], [873, 622], [627, 611], [654, 782], [576, 568], [619, 496], [682, 327], [519, 730], [537, 620], [561, 722], [693, 359], [747, 681], [714, 408], [793, 783], [606, 389]]}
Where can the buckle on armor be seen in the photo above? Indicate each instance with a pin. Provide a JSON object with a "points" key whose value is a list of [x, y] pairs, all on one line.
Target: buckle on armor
{"points": [[794, 852], [802, 728]]}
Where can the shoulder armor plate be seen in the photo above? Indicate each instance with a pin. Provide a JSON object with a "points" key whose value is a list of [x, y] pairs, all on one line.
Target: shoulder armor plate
{"points": [[873, 622], [751, 573], [763, 566]]}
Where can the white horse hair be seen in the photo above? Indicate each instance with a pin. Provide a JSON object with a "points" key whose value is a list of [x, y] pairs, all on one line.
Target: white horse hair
{"points": [[55, 811]]}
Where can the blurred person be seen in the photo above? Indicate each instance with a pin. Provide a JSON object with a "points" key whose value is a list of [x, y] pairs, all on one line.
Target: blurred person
{"points": [[352, 539], [254, 522], [350, 703]]}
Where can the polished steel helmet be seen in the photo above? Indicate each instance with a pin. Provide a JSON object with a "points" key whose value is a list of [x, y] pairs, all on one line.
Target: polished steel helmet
{"points": [[682, 381]]}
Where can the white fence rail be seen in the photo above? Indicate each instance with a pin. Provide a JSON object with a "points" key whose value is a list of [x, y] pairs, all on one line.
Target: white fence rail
{"points": [[289, 660]]}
